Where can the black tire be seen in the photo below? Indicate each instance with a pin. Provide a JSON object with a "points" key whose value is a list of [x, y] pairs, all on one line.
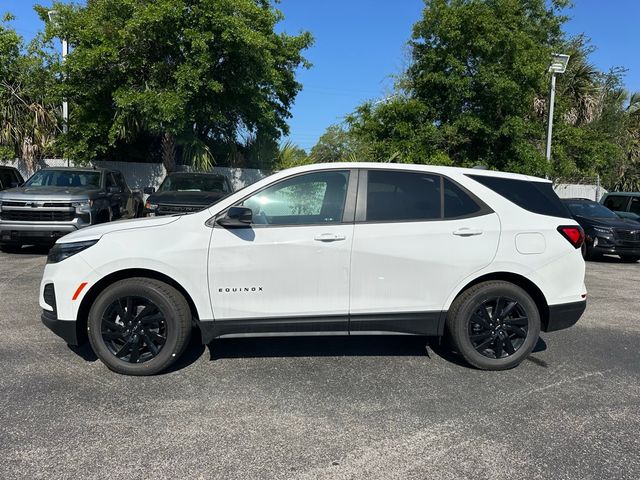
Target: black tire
{"points": [[119, 339], [629, 258], [10, 248], [489, 342]]}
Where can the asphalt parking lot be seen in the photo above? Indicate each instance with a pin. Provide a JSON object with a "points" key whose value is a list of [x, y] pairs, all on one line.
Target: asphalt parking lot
{"points": [[324, 408]]}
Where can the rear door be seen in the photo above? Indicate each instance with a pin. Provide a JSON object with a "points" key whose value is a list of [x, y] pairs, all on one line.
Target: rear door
{"points": [[417, 235]]}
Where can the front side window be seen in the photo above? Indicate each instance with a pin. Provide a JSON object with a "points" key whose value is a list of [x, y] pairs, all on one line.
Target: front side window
{"points": [[402, 196], [616, 203], [635, 205], [311, 199]]}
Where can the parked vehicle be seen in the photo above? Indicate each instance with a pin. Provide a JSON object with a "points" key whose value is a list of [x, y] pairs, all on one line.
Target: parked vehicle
{"points": [[57, 201], [346, 248], [605, 231], [186, 193], [624, 204], [10, 177]]}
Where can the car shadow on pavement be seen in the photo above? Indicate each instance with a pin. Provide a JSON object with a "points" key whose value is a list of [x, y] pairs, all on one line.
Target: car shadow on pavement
{"points": [[32, 250], [609, 259], [318, 346]]}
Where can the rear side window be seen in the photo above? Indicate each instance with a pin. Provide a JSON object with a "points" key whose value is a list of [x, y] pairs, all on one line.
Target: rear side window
{"points": [[457, 203], [617, 203], [402, 196], [536, 197], [6, 178]]}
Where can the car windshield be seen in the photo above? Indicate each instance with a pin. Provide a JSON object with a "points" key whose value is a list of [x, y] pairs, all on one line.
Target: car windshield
{"points": [[64, 178], [193, 183], [589, 209]]}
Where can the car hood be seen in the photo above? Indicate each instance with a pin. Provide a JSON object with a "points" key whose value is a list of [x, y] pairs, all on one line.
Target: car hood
{"points": [[203, 199], [50, 193], [96, 232], [587, 222]]}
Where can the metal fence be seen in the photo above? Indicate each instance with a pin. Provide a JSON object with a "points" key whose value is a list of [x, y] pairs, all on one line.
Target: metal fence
{"points": [[141, 175]]}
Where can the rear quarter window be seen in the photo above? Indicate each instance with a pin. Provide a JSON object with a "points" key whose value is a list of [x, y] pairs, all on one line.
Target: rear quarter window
{"points": [[536, 197]]}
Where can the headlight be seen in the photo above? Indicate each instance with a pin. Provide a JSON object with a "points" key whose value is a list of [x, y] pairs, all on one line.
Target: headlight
{"points": [[603, 230], [151, 206], [60, 251], [83, 204]]}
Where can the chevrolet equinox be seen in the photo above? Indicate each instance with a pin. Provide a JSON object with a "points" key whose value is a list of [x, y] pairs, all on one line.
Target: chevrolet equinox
{"points": [[488, 258]]}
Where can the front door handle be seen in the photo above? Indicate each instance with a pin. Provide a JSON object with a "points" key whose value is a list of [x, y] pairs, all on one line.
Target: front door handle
{"points": [[467, 232], [329, 237]]}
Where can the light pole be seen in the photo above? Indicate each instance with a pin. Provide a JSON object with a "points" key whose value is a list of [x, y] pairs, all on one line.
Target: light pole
{"points": [[65, 50], [558, 65]]}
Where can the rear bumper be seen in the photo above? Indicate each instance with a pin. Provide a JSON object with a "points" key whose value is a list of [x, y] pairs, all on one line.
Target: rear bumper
{"points": [[65, 329], [564, 315]]}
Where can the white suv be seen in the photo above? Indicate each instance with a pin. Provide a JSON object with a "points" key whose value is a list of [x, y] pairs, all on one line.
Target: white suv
{"points": [[489, 258]]}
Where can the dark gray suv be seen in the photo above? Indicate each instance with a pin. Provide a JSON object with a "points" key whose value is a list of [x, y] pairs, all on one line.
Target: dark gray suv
{"points": [[57, 201]]}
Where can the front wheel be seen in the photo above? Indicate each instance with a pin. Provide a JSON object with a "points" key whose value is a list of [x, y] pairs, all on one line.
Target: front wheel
{"points": [[139, 326], [494, 325]]}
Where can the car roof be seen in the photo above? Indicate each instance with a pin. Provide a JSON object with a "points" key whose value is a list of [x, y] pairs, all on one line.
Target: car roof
{"points": [[437, 169], [196, 174], [7, 167], [578, 200], [78, 169]]}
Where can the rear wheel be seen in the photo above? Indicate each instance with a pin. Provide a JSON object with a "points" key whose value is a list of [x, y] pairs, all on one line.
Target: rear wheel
{"points": [[139, 326], [630, 258], [494, 325]]}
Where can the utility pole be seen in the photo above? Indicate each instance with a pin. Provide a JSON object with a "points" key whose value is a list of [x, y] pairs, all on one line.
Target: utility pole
{"points": [[65, 51], [558, 65]]}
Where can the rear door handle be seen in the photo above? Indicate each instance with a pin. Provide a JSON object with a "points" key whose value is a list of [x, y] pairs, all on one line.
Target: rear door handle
{"points": [[467, 232], [329, 237]]}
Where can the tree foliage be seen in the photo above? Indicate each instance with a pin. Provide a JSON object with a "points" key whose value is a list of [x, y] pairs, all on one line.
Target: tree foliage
{"points": [[149, 77], [28, 120], [476, 93]]}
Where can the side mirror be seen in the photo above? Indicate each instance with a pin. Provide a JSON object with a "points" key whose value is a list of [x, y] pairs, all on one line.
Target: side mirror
{"points": [[148, 190], [236, 217], [114, 190]]}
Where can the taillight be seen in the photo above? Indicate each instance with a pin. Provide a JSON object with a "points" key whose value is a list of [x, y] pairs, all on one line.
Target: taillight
{"points": [[574, 234]]}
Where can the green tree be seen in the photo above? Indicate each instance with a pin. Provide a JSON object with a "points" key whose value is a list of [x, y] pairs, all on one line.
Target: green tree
{"points": [[171, 78], [28, 120], [338, 144], [469, 91]]}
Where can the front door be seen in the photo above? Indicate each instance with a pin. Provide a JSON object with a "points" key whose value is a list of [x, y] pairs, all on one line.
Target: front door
{"points": [[290, 269]]}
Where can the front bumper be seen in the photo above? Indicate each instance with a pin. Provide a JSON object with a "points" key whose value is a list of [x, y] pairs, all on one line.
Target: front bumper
{"points": [[564, 315], [616, 250], [38, 233], [65, 329]]}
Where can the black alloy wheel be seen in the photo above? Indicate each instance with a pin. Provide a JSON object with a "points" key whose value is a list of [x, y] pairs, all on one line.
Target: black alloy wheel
{"points": [[139, 326], [494, 325], [498, 327], [134, 329]]}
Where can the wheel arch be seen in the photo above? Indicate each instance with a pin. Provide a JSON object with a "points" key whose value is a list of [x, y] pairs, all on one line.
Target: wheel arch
{"points": [[522, 282], [95, 290]]}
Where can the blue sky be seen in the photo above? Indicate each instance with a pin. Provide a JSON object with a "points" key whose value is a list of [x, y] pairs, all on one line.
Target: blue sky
{"points": [[361, 44]]}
